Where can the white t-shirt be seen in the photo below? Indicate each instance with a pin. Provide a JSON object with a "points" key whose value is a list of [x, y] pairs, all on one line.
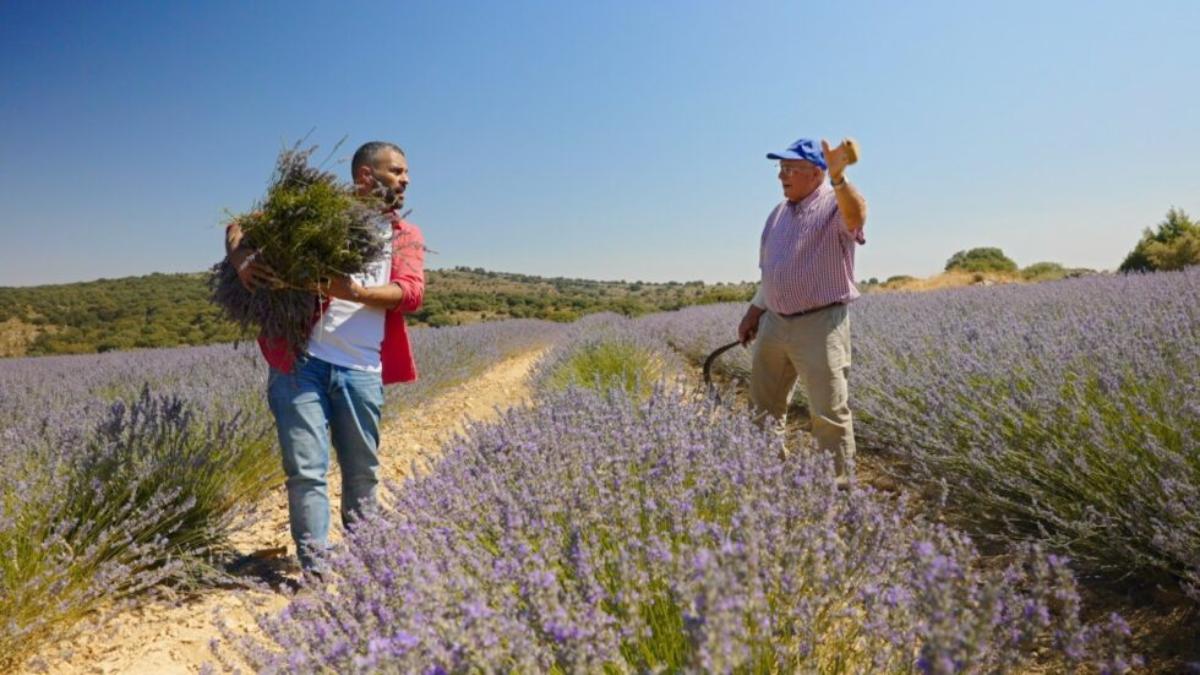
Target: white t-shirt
{"points": [[349, 334]]}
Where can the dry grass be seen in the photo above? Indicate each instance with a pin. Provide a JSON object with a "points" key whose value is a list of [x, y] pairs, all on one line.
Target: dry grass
{"points": [[955, 279], [16, 336]]}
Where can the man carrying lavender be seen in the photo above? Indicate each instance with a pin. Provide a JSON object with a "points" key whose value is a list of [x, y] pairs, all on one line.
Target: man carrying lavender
{"points": [[799, 319], [358, 343]]}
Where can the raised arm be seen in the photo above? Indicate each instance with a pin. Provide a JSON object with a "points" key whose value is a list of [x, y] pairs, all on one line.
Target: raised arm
{"points": [[851, 203]]}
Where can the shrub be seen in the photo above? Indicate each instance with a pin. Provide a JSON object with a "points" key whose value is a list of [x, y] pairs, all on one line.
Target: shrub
{"points": [[1043, 271], [898, 279], [108, 491], [605, 350], [1175, 244], [981, 260], [1182, 252]]}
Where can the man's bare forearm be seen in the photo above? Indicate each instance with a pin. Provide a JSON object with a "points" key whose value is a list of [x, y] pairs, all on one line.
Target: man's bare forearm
{"points": [[382, 297], [851, 205]]}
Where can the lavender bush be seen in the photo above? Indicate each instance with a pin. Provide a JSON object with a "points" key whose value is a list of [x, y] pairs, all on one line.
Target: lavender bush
{"points": [[1066, 413], [596, 534], [606, 350], [111, 488], [696, 331]]}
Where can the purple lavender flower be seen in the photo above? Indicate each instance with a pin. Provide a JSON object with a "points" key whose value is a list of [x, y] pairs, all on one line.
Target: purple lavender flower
{"points": [[553, 539]]}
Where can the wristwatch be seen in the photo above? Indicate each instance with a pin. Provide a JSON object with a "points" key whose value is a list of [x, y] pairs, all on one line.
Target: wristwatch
{"points": [[839, 183]]}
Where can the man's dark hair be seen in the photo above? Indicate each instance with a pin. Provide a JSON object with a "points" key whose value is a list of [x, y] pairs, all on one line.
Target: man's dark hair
{"points": [[367, 152]]}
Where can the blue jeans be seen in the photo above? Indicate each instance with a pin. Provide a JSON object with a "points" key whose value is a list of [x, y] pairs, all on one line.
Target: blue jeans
{"points": [[318, 402]]}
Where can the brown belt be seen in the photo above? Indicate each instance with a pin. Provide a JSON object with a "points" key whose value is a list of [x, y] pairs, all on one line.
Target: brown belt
{"points": [[811, 311]]}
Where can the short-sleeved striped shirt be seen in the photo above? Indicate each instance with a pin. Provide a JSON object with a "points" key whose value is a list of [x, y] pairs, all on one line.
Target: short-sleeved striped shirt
{"points": [[807, 255]]}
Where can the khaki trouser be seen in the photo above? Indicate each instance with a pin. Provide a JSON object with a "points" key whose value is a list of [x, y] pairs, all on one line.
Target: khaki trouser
{"points": [[816, 349]]}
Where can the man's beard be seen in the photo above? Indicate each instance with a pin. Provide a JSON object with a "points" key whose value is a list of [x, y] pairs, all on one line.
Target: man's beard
{"points": [[390, 196]]}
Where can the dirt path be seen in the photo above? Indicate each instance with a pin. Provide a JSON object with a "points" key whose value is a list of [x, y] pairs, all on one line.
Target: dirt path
{"points": [[164, 639]]}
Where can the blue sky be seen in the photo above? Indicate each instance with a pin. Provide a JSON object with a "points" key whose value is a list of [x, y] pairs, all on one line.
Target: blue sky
{"points": [[607, 140]]}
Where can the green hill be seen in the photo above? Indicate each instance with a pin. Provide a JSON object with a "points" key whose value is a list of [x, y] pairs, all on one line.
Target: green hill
{"points": [[167, 310]]}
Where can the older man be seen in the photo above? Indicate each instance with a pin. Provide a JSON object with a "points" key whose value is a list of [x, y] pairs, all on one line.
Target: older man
{"points": [[334, 391], [799, 319]]}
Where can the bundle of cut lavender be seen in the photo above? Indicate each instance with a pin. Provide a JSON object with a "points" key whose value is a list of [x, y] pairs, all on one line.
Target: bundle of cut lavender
{"points": [[308, 228]]}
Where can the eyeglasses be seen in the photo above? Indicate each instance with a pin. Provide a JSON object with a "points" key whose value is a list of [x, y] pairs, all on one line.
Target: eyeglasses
{"points": [[788, 169]]}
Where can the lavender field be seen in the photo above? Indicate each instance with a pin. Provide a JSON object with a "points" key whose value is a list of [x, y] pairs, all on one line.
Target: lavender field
{"points": [[626, 521], [126, 472], [1064, 413], [595, 532], [633, 530]]}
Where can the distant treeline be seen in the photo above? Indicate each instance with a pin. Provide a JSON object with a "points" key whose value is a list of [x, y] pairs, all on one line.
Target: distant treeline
{"points": [[168, 310]]}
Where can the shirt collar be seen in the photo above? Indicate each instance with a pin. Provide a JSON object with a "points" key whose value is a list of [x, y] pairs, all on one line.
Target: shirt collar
{"points": [[812, 197]]}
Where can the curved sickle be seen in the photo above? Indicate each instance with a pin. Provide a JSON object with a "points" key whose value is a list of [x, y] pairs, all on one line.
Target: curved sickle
{"points": [[708, 363]]}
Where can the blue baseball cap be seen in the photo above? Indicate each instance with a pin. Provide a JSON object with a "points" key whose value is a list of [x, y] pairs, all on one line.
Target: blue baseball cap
{"points": [[806, 149]]}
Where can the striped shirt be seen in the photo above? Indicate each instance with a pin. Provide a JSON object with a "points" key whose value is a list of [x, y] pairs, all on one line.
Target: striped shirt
{"points": [[807, 255]]}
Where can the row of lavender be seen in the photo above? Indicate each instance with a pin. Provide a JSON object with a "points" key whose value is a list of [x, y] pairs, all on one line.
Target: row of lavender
{"points": [[635, 528], [604, 351], [1066, 413], [126, 470], [121, 472]]}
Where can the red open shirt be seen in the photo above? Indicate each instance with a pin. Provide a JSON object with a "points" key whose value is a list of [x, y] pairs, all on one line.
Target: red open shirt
{"points": [[408, 272]]}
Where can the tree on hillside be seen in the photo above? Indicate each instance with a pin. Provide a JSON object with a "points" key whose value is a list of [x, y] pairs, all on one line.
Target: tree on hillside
{"points": [[1181, 253], [1042, 271], [1175, 244], [987, 259]]}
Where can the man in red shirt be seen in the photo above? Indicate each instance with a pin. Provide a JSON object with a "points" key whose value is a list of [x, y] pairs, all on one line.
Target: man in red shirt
{"points": [[334, 391]]}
